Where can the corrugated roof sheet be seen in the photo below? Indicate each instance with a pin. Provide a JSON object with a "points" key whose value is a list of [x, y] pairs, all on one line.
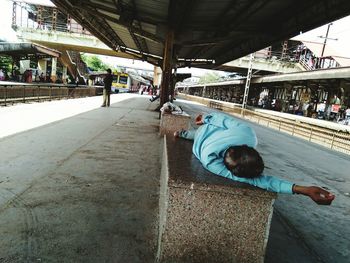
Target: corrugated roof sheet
{"points": [[220, 30]]}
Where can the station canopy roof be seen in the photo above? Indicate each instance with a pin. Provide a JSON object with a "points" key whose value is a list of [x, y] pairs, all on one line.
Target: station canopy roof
{"points": [[27, 50], [206, 32]]}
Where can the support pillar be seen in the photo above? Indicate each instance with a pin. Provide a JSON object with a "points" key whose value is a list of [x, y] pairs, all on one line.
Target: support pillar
{"points": [[172, 85], [64, 74], [42, 66], [167, 68], [24, 65], [53, 69], [157, 74]]}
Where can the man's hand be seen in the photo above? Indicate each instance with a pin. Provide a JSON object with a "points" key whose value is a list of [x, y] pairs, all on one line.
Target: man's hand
{"points": [[199, 119], [177, 134], [318, 194]]}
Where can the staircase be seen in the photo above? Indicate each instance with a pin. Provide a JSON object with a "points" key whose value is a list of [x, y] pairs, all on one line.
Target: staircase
{"points": [[75, 65]]}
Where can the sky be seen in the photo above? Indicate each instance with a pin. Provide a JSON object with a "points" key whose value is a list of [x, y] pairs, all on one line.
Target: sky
{"points": [[339, 30], [6, 32]]}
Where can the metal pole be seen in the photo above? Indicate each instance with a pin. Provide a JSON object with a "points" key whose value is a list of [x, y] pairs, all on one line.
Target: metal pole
{"points": [[5, 94], [54, 19], [310, 135], [14, 14], [333, 140], [325, 39], [247, 83], [167, 67]]}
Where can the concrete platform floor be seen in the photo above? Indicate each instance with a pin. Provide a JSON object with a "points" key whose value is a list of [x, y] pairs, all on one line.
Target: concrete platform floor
{"points": [[84, 188]]}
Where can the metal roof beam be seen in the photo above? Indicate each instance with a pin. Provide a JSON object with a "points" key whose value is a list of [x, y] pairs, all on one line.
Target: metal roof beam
{"points": [[143, 41], [226, 24], [95, 25], [152, 20], [139, 32], [178, 13], [128, 18], [279, 30], [247, 10]]}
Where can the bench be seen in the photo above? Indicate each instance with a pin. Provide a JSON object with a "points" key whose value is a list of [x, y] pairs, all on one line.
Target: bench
{"points": [[208, 218], [171, 122]]}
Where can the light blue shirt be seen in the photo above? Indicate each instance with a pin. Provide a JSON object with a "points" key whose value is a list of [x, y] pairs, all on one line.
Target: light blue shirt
{"points": [[218, 133]]}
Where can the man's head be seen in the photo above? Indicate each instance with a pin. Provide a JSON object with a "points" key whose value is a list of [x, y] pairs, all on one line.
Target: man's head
{"points": [[244, 161], [109, 71]]}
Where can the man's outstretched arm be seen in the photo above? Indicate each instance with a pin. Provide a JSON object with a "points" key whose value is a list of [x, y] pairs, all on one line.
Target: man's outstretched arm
{"points": [[185, 134], [274, 184], [317, 194]]}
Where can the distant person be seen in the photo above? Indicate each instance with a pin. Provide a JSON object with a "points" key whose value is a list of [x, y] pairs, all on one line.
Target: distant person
{"points": [[42, 77], [47, 78], [2, 75], [347, 112], [157, 95], [107, 88], [7, 77], [16, 74], [347, 116], [226, 147], [36, 77]]}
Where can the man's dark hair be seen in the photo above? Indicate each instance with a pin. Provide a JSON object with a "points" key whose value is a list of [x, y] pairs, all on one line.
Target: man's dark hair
{"points": [[109, 71], [244, 161]]}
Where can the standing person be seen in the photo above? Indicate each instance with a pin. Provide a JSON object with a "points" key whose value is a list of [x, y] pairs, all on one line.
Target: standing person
{"points": [[2, 75], [42, 77], [225, 146], [157, 95], [347, 113], [107, 88]]}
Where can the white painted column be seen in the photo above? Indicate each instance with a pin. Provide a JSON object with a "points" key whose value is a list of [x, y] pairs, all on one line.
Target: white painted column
{"points": [[53, 69], [42, 66], [157, 73], [64, 74], [24, 65]]}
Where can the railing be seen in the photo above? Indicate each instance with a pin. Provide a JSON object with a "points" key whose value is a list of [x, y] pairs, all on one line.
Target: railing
{"points": [[81, 66], [304, 63], [14, 93], [44, 18], [333, 139]]}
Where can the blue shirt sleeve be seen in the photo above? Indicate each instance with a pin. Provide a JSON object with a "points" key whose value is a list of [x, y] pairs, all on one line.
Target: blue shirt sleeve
{"points": [[269, 183]]}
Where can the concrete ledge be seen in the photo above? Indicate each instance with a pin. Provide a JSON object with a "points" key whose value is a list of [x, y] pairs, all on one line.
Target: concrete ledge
{"points": [[169, 123], [207, 218]]}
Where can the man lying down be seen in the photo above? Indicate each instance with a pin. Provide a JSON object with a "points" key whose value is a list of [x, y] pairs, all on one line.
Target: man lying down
{"points": [[226, 147]]}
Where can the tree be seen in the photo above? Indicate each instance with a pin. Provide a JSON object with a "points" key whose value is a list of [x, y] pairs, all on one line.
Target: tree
{"points": [[5, 63], [94, 62], [209, 77]]}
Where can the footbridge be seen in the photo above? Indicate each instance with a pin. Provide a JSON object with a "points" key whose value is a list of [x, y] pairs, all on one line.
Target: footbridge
{"points": [[50, 27], [63, 41]]}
